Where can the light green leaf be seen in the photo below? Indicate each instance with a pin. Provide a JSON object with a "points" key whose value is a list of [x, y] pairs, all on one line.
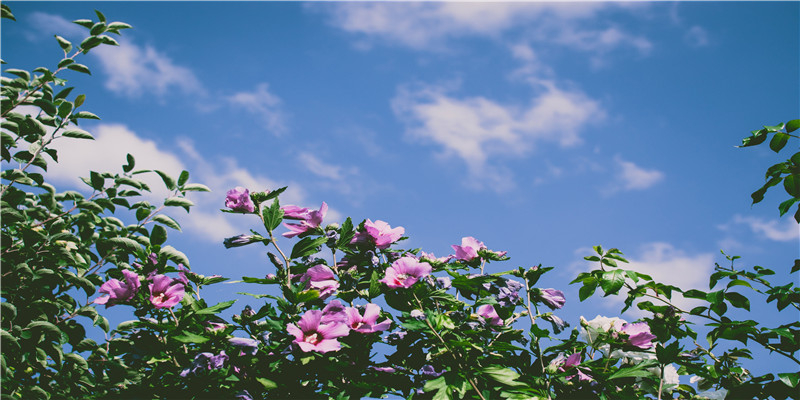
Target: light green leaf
{"points": [[217, 308], [189, 337], [196, 187], [168, 221], [175, 255]]}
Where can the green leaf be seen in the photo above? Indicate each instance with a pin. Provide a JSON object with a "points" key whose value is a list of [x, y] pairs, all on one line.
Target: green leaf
{"points": [[131, 163], [169, 182], [612, 281], [79, 100], [503, 375], [6, 12], [757, 138], [183, 177], [189, 337], [175, 255], [96, 180], [273, 216], [78, 134], [268, 384], [118, 25], [80, 68], [738, 300], [65, 44], [587, 290], [125, 243], [158, 235], [196, 187], [100, 16], [46, 106], [168, 221], [44, 326], [178, 202], [785, 206], [792, 125], [217, 308], [86, 23], [83, 114], [307, 246], [18, 72], [790, 378], [636, 371], [792, 185], [778, 141]]}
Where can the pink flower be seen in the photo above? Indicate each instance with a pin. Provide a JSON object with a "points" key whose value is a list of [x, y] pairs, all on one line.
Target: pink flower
{"points": [[321, 278], [379, 233], [165, 293], [553, 298], [639, 335], [309, 220], [432, 257], [238, 199], [572, 362], [489, 314], [468, 250], [368, 322], [334, 312], [405, 272], [312, 335], [295, 212], [119, 291]]}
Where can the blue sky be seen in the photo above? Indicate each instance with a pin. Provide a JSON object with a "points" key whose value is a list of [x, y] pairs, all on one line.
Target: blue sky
{"points": [[540, 129]]}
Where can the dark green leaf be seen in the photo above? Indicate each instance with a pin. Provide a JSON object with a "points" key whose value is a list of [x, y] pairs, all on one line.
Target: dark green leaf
{"points": [[78, 134], [83, 114], [178, 202], [790, 378], [189, 337], [217, 308], [46, 106], [183, 177], [738, 300], [168, 221], [131, 163], [158, 235], [792, 125], [757, 138], [125, 243], [80, 68], [169, 182], [778, 141], [792, 185], [20, 73], [273, 216], [307, 246], [785, 206], [612, 281], [503, 375], [64, 43], [175, 255], [587, 290]]}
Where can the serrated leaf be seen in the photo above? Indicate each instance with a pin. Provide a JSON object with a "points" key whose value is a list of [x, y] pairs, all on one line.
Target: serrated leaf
{"points": [[611, 281], [273, 216]]}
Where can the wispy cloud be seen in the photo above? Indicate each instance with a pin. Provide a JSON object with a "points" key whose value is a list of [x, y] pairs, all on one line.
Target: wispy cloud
{"points": [[134, 70], [778, 230], [630, 176], [264, 104], [114, 141], [46, 25], [429, 25], [479, 131]]}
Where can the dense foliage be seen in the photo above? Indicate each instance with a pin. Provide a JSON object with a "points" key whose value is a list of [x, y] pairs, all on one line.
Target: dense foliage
{"points": [[348, 312]]}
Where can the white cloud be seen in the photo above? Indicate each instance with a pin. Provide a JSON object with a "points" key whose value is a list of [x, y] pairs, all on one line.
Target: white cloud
{"points": [[46, 25], [429, 25], [630, 176], [108, 153], [264, 104], [777, 230], [697, 36], [134, 70], [477, 129]]}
